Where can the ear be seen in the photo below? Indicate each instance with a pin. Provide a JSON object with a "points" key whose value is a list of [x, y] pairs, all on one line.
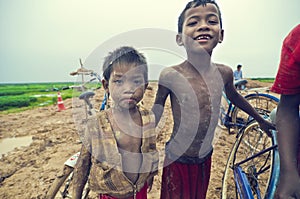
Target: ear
{"points": [[179, 39], [105, 85], [221, 36]]}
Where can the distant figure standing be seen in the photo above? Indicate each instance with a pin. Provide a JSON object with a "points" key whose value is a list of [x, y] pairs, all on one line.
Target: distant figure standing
{"points": [[238, 74]]}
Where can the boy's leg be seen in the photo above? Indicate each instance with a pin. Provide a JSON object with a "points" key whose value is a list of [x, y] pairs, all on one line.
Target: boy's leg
{"points": [[181, 181]]}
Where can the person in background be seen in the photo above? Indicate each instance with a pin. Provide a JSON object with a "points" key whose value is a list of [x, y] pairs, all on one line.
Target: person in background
{"points": [[238, 73], [239, 82], [287, 83]]}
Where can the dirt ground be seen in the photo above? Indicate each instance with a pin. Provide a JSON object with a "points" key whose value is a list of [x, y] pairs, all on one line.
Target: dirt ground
{"points": [[28, 172]]}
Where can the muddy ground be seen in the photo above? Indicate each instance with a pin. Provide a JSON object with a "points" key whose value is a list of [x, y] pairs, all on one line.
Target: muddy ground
{"points": [[28, 172]]}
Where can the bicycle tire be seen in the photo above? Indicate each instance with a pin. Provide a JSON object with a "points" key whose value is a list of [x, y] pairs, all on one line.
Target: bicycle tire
{"points": [[58, 182], [221, 119], [268, 162], [62, 185], [262, 102]]}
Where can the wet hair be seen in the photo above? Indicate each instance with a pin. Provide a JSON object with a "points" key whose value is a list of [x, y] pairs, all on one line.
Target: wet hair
{"points": [[124, 55], [193, 4]]}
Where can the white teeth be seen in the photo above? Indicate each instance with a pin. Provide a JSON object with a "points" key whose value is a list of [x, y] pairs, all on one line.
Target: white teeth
{"points": [[203, 37]]}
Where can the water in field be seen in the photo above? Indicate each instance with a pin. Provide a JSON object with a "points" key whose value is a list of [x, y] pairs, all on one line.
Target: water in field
{"points": [[9, 144]]}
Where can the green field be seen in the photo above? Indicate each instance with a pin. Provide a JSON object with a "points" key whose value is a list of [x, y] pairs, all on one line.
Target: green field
{"points": [[268, 80], [19, 97]]}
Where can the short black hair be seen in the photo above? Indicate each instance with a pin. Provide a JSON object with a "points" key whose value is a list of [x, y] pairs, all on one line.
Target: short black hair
{"points": [[193, 4], [124, 54], [239, 66]]}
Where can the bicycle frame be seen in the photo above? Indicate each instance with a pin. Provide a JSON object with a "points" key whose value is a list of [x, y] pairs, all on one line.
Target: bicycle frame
{"points": [[241, 179], [63, 183], [226, 117]]}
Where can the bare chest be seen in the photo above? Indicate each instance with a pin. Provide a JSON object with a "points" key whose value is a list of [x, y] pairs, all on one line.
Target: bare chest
{"points": [[128, 136], [196, 91]]}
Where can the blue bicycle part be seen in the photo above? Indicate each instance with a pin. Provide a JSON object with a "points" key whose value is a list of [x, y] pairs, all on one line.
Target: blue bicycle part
{"points": [[257, 156], [241, 183], [262, 102], [275, 171], [104, 102]]}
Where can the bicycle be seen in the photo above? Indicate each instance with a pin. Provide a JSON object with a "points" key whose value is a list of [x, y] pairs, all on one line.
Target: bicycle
{"points": [[232, 118], [252, 169], [62, 185]]}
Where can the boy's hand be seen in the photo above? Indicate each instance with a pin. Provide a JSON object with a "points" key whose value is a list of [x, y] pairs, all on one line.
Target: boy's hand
{"points": [[267, 126], [288, 187]]}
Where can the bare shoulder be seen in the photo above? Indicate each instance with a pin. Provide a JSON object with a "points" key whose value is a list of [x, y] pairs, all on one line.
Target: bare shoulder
{"points": [[224, 69], [226, 72], [171, 69], [170, 72], [167, 71]]}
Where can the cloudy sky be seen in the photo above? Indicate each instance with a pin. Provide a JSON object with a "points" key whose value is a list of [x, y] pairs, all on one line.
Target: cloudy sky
{"points": [[42, 40]]}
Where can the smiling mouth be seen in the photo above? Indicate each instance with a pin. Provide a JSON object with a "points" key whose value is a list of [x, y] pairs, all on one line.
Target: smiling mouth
{"points": [[203, 37]]}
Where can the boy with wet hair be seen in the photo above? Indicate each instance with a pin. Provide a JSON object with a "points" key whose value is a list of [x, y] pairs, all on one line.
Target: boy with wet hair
{"points": [[195, 88], [119, 153], [192, 4]]}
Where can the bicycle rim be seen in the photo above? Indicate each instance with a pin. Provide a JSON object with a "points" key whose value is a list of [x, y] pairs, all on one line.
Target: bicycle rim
{"points": [[62, 186], [263, 103], [229, 190], [58, 183], [263, 163]]}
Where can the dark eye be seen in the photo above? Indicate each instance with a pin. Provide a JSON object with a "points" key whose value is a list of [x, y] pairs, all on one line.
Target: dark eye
{"points": [[213, 22], [192, 23], [137, 81], [118, 81]]}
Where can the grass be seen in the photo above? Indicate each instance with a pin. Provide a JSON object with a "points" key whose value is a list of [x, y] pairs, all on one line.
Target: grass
{"points": [[267, 80], [20, 97]]}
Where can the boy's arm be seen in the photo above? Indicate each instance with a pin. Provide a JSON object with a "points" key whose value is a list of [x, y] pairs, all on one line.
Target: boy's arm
{"points": [[161, 96], [81, 172], [288, 126], [243, 104]]}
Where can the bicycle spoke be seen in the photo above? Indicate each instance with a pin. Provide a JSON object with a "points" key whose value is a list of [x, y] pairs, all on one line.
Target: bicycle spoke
{"points": [[263, 103], [258, 170]]}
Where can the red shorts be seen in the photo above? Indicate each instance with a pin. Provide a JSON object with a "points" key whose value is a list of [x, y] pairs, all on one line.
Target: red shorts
{"points": [[181, 181], [142, 194], [287, 80]]}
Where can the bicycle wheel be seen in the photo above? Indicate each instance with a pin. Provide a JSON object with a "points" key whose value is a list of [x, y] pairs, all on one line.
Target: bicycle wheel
{"points": [[262, 170], [222, 118], [62, 185], [263, 103]]}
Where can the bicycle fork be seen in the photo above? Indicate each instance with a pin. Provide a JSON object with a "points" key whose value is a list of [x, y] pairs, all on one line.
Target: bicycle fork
{"points": [[245, 181]]}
